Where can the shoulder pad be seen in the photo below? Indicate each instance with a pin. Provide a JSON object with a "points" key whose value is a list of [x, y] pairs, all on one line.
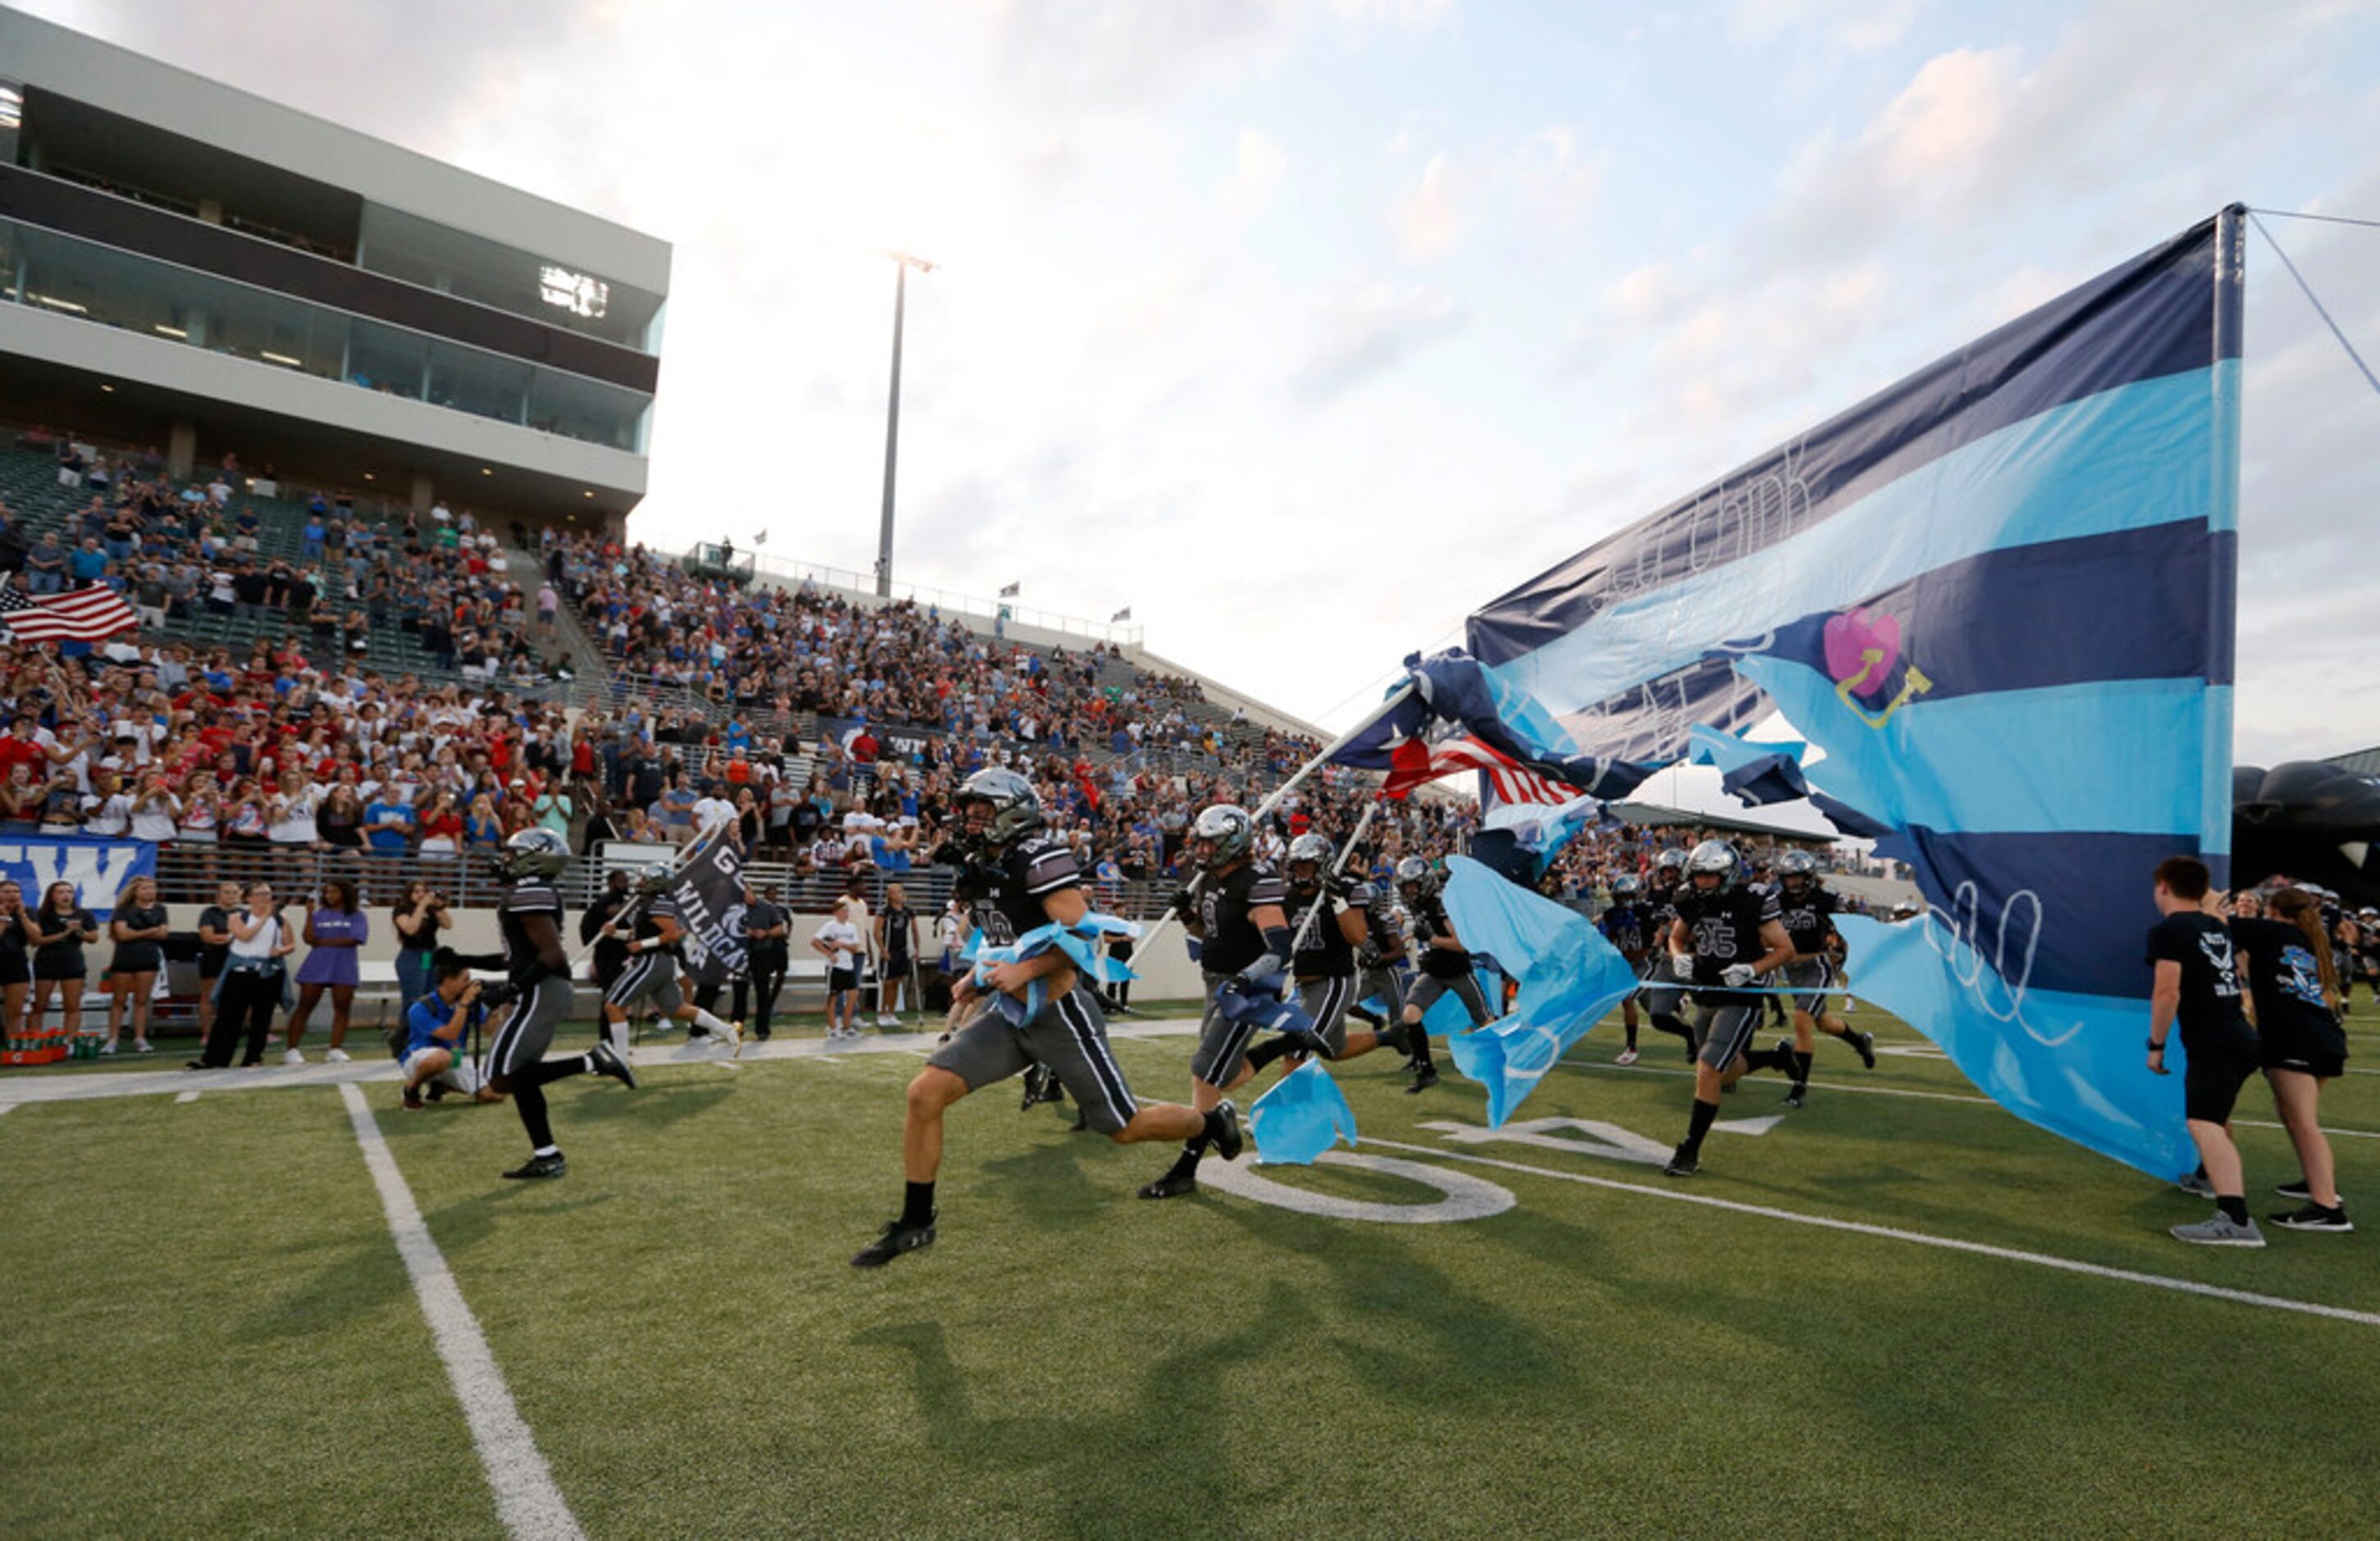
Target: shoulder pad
{"points": [[1363, 897]]}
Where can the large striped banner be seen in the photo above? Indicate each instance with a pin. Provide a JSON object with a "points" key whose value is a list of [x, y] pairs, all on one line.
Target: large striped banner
{"points": [[1998, 597]]}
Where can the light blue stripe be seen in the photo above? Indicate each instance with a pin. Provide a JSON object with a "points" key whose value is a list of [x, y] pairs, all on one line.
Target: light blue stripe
{"points": [[2118, 757], [2129, 458]]}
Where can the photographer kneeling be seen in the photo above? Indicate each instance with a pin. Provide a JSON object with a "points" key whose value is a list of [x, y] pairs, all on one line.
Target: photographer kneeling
{"points": [[434, 1026]]}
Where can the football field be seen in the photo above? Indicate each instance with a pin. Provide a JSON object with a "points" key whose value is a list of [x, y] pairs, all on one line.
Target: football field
{"points": [[1898, 1311]]}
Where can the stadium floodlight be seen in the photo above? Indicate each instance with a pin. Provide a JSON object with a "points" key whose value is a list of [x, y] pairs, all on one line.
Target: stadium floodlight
{"points": [[902, 262]]}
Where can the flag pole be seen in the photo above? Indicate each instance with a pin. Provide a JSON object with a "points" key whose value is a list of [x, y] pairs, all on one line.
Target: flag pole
{"points": [[1393, 699], [684, 859]]}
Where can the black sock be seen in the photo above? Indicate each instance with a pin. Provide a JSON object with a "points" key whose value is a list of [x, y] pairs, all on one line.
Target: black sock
{"points": [[1267, 1052], [917, 1204], [2234, 1210], [1631, 1028], [1673, 1023], [1417, 1045], [1699, 1125], [528, 1095], [1186, 1163], [1801, 1068], [1367, 1018], [543, 1070]]}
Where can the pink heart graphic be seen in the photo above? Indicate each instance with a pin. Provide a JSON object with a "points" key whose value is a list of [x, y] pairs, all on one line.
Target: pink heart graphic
{"points": [[1850, 637]]}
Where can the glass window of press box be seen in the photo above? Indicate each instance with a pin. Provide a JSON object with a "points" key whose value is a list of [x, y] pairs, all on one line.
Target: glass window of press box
{"points": [[71, 276], [552, 290]]}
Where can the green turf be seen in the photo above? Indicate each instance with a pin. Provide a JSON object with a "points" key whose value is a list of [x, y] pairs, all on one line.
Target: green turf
{"points": [[681, 1330]]}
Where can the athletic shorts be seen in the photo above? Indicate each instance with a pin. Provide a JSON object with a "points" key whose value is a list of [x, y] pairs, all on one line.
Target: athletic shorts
{"points": [[2323, 1055], [16, 969], [2211, 1082], [1726, 1028], [651, 978], [461, 1075], [838, 980], [1326, 1001], [1810, 978], [1385, 983], [1222, 1043], [1429, 987], [528, 1027], [1663, 995], [1068, 1035]]}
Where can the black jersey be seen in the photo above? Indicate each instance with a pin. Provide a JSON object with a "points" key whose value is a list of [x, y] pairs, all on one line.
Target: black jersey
{"points": [[649, 916], [1626, 926], [1384, 935], [1661, 907], [1005, 895], [1327, 954], [1723, 928], [529, 897], [1809, 918], [1430, 920], [1229, 941]]}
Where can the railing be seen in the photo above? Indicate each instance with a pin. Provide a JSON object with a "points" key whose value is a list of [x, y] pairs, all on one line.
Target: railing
{"points": [[792, 573], [188, 875]]}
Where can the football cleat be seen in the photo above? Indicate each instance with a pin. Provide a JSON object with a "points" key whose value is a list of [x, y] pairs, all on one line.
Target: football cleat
{"points": [[1173, 1184], [540, 1167], [896, 1238], [1684, 1163], [604, 1060], [1229, 1140]]}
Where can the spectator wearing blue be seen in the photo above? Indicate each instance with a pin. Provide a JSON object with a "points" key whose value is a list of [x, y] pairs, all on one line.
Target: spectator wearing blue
{"points": [[388, 823], [311, 538], [434, 1026], [45, 565]]}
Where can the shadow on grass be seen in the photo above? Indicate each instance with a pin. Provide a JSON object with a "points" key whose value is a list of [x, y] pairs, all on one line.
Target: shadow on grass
{"points": [[1162, 1459], [660, 1104]]}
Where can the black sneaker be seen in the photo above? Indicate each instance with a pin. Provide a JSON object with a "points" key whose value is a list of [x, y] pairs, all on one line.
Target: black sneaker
{"points": [[604, 1060], [1173, 1184], [1798, 1098], [1684, 1163], [413, 1103], [1229, 1140], [2313, 1216], [1866, 1044], [1782, 1057], [1424, 1077], [2297, 1190], [540, 1166], [437, 1092], [897, 1237]]}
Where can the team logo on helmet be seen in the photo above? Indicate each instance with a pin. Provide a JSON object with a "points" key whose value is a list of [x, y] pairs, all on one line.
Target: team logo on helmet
{"points": [[1015, 806], [1714, 857], [533, 853], [1222, 835]]}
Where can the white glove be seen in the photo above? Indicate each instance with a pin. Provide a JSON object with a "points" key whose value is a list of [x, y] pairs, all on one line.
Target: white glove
{"points": [[1737, 974], [1683, 964]]}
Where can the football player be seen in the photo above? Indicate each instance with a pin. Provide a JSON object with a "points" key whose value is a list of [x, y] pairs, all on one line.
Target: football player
{"points": [[1725, 938], [1020, 880], [649, 970], [1808, 912], [1445, 965]]}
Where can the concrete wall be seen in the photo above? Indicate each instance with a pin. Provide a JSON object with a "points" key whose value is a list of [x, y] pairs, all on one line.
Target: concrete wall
{"points": [[31, 332]]}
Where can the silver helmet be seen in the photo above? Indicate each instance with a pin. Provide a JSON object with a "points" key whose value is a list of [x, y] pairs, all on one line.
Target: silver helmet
{"points": [[1416, 877], [1712, 856], [1670, 860], [1015, 806], [1309, 847], [1797, 864], [537, 853], [1227, 833], [1626, 886]]}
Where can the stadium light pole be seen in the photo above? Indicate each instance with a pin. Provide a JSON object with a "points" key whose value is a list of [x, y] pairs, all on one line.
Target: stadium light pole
{"points": [[901, 263]]}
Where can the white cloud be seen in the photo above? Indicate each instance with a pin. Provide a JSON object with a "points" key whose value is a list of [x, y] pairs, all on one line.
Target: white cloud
{"points": [[1429, 222], [1257, 173], [1368, 332], [1859, 26], [1556, 183]]}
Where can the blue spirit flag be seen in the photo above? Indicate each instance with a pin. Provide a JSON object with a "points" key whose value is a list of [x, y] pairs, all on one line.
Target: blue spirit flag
{"points": [[1758, 773], [1569, 975], [1998, 598], [1302, 1117], [1515, 738], [100, 869]]}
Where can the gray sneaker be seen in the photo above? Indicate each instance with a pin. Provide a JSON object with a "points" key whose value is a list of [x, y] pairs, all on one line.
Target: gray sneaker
{"points": [[2195, 1185], [2220, 1230]]}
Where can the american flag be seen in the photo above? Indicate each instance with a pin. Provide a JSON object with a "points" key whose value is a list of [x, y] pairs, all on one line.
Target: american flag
{"points": [[91, 615], [1414, 763]]}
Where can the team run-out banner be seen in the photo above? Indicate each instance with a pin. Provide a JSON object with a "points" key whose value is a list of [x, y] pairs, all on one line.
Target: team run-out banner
{"points": [[710, 894], [1996, 600], [98, 868]]}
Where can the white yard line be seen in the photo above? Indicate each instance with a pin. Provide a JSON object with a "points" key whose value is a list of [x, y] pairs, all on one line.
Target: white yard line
{"points": [[526, 1500], [1927, 1096], [1918, 1238], [186, 1097]]}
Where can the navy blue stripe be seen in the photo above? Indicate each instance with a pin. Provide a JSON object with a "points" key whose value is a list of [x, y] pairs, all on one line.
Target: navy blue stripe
{"points": [[2093, 892], [2154, 316], [2126, 605]]}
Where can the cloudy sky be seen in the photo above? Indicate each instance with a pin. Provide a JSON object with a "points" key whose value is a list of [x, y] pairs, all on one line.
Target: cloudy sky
{"points": [[1303, 326]]}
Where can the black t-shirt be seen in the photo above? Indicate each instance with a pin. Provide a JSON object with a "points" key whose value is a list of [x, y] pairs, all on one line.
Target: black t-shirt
{"points": [[138, 919], [425, 937], [1723, 928], [1430, 920], [66, 954], [1005, 896], [899, 928], [1327, 954], [340, 827], [532, 896], [1229, 941], [761, 916], [2284, 979], [1809, 919], [13, 941], [213, 954], [2209, 1016]]}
